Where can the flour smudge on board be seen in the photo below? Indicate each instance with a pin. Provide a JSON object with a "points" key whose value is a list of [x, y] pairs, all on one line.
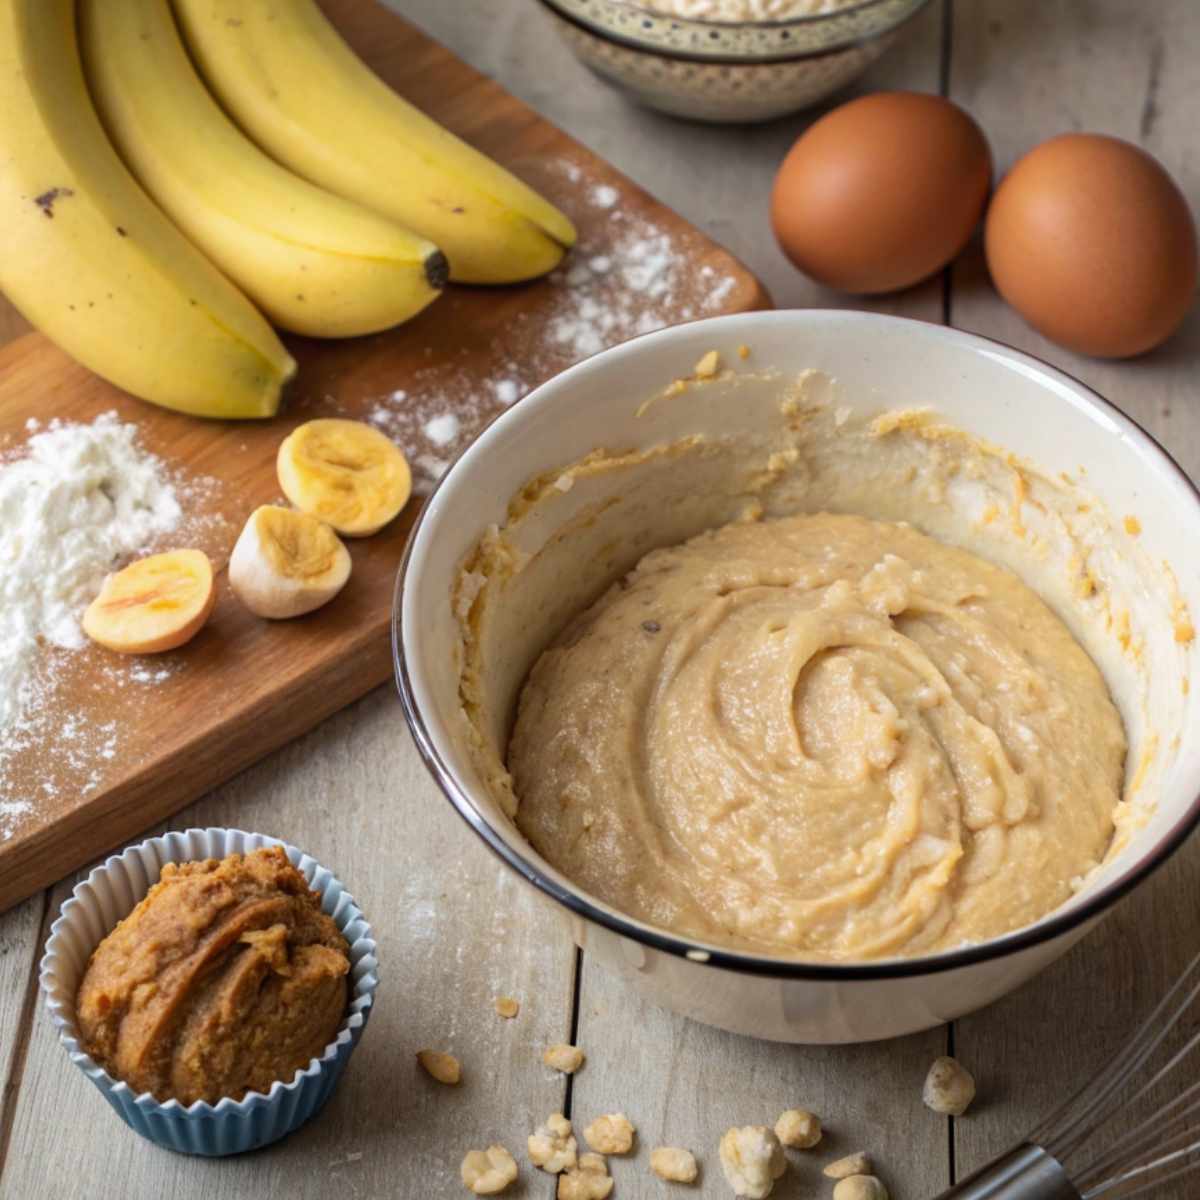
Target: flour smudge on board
{"points": [[627, 276], [77, 500]]}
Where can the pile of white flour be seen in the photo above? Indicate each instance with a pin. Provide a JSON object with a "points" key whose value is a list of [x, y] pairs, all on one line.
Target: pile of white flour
{"points": [[82, 499]]}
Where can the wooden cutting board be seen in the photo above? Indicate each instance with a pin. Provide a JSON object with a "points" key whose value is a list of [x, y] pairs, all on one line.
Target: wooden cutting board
{"points": [[119, 744]]}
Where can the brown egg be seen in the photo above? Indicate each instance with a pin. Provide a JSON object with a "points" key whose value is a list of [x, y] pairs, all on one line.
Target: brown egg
{"points": [[1089, 239], [881, 192]]}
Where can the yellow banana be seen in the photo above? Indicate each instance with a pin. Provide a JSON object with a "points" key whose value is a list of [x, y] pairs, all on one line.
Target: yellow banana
{"points": [[154, 604], [91, 261], [315, 263], [287, 77], [286, 563], [345, 473]]}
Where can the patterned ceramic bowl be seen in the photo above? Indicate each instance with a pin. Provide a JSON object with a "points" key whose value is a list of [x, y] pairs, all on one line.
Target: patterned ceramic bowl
{"points": [[726, 71]]}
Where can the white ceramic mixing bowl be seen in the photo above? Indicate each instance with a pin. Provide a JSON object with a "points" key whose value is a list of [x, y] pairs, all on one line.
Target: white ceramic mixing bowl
{"points": [[989, 390]]}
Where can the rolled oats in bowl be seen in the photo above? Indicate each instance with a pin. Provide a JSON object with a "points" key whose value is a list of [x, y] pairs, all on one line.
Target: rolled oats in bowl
{"points": [[729, 60]]}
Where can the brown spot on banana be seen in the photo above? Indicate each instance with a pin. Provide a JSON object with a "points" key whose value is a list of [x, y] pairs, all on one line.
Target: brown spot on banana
{"points": [[47, 199]]}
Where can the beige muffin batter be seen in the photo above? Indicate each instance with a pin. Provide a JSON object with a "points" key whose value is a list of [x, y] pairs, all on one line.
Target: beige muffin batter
{"points": [[822, 736]]}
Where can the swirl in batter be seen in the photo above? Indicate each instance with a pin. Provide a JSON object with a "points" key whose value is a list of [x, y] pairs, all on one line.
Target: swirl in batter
{"points": [[821, 736]]}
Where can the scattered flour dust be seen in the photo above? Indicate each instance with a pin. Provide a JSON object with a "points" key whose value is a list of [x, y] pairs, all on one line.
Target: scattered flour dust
{"points": [[627, 276], [604, 195], [76, 501], [442, 429], [507, 391]]}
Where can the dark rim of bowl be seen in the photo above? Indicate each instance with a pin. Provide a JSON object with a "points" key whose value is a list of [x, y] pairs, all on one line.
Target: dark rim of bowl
{"points": [[732, 60], [704, 954], [635, 6]]}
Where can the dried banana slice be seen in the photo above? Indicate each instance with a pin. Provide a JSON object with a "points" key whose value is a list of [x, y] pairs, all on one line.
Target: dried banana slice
{"points": [[154, 604], [285, 563], [345, 473]]}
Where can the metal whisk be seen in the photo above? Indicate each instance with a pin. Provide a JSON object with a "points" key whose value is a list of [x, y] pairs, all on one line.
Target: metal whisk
{"points": [[1078, 1154]]}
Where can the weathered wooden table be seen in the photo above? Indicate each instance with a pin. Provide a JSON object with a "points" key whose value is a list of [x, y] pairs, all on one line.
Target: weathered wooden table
{"points": [[456, 930]]}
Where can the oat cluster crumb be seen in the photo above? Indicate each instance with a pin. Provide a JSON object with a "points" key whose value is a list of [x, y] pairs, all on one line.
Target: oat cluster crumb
{"points": [[752, 1157], [486, 1172], [798, 1128], [949, 1087], [564, 1058], [860, 1187], [443, 1067], [552, 1146], [589, 1180], [708, 366], [674, 1164], [752, 1160], [610, 1134], [857, 1163]]}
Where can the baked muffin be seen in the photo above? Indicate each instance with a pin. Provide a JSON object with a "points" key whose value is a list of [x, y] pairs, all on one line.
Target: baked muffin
{"points": [[226, 977]]}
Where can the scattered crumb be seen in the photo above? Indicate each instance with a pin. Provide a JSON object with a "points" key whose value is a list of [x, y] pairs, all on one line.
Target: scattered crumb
{"points": [[708, 366], [445, 1068], [507, 1007], [564, 1058], [743, 351], [798, 1128], [587, 1181], [1133, 526], [853, 1164], [486, 1172], [860, 1187], [752, 1160], [674, 1164], [611, 1134], [949, 1087], [552, 1145]]}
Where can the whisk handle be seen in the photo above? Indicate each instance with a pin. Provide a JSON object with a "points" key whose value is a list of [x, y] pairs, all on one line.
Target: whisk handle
{"points": [[1024, 1173]]}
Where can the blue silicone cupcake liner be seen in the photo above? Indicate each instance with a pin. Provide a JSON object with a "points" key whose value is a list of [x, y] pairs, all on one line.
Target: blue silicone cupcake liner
{"points": [[110, 893]]}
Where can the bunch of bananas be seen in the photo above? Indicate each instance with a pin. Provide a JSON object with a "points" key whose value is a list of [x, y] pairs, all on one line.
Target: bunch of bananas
{"points": [[158, 216]]}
